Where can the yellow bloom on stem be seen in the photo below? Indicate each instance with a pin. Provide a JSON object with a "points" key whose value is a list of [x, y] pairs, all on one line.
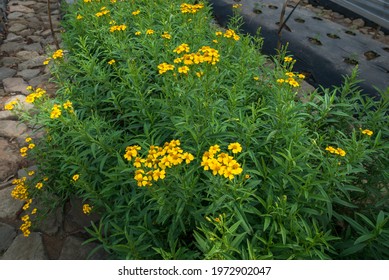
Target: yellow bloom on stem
{"points": [[55, 111], [31, 146], [164, 67], [75, 177], [367, 132], [166, 35], [149, 32], [79, 17], [86, 208], [135, 13], [39, 185], [131, 151], [112, 61], [182, 48], [28, 139], [10, 105], [57, 54], [288, 59], [236, 6], [68, 105], [137, 33], [301, 76], [183, 69], [235, 147], [47, 61]]}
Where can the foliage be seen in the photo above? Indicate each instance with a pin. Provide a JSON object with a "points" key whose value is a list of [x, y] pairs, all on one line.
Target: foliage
{"points": [[146, 130]]}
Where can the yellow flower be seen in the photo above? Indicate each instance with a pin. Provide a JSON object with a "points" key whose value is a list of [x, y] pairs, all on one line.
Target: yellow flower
{"points": [[166, 35], [149, 32], [112, 61], [29, 88], [288, 59], [135, 13], [367, 132], [28, 139], [23, 150], [75, 177], [68, 105], [218, 33], [256, 78], [236, 6], [280, 81], [55, 111], [86, 208], [199, 74], [182, 48], [57, 54], [231, 34], [131, 151], [47, 61], [39, 185], [191, 9], [10, 105], [31, 146], [235, 147], [30, 173], [183, 69], [79, 17], [34, 211], [301, 76], [137, 33], [164, 67], [290, 74]]}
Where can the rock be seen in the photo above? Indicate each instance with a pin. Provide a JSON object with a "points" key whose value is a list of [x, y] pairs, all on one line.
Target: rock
{"points": [[75, 219], [2, 92], [358, 23], [32, 63], [36, 39], [7, 235], [74, 250], [27, 55], [347, 21], [26, 248], [28, 74], [29, 3], [11, 37], [12, 129], [39, 80], [26, 32], [15, 85], [16, 27], [336, 15], [7, 115], [36, 47], [6, 72], [11, 47], [52, 220], [14, 15], [10, 61], [20, 8], [9, 207]]}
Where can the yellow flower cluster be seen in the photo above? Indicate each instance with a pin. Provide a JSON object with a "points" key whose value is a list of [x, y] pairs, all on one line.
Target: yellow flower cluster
{"points": [[231, 34], [191, 9], [288, 59], [112, 61], [158, 159], [290, 79], [114, 28], [23, 150], [55, 111], [57, 54], [337, 151], [182, 48], [79, 17], [87, 209], [205, 54], [164, 67], [20, 192], [135, 13], [38, 93], [103, 11], [222, 164], [236, 6], [367, 132], [166, 35], [25, 227], [11, 105], [149, 32]]}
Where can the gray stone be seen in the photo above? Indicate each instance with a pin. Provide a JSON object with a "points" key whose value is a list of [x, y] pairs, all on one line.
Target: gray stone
{"points": [[74, 250], [358, 22], [37, 47], [347, 21], [12, 129], [11, 37], [7, 235], [11, 47], [15, 85], [52, 221], [17, 27], [9, 61], [7, 115], [36, 39], [26, 32], [2, 92], [32, 63], [26, 248], [28, 74], [9, 207], [27, 55], [28, 3], [20, 8], [6, 72], [14, 15], [39, 80]]}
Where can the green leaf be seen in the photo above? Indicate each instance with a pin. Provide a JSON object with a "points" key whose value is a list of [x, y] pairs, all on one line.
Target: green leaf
{"points": [[364, 238]]}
